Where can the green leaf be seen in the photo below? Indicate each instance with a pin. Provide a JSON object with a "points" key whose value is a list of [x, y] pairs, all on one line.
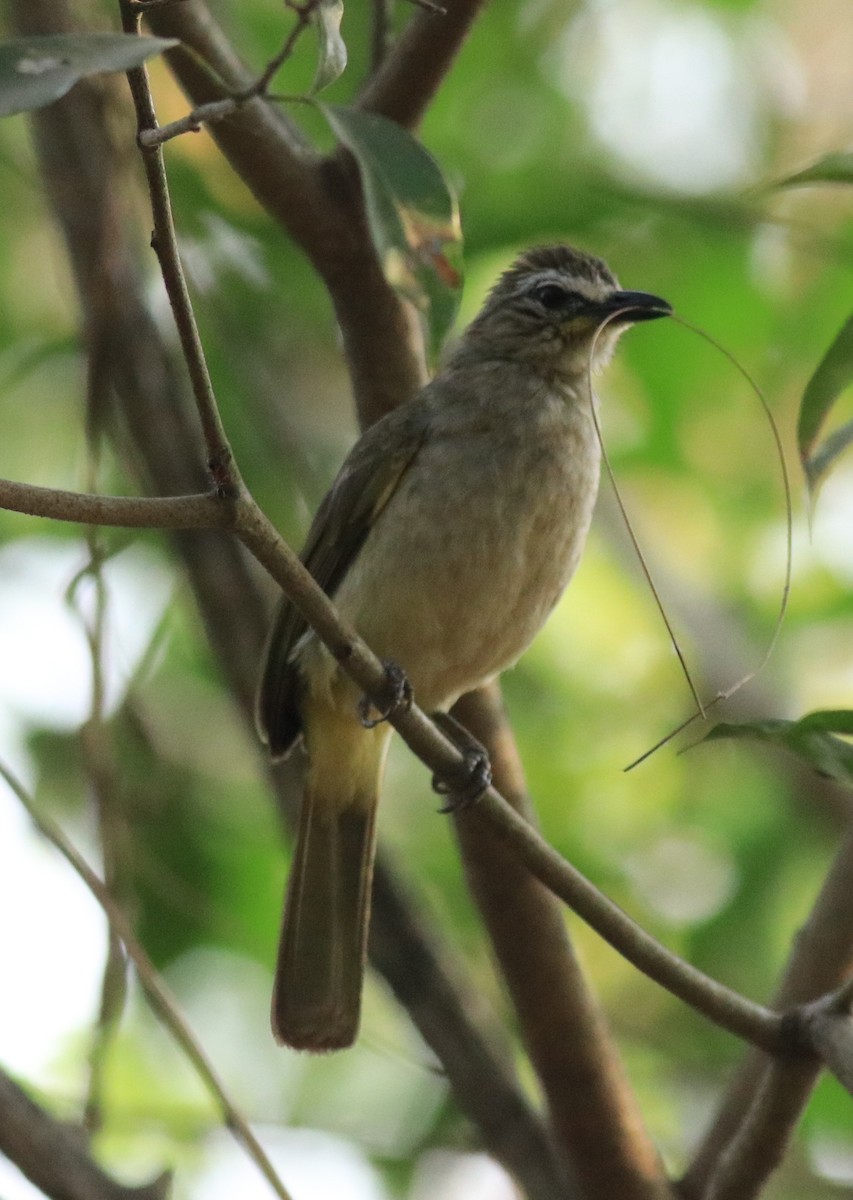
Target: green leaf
{"points": [[832, 447], [829, 720], [833, 374], [412, 212], [832, 168], [332, 58], [34, 71], [813, 739]]}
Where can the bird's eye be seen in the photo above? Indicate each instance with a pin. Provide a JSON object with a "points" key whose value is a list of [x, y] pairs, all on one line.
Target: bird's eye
{"points": [[551, 296]]}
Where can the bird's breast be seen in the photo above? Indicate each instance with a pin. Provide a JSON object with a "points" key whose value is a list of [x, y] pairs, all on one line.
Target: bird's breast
{"points": [[474, 549]]}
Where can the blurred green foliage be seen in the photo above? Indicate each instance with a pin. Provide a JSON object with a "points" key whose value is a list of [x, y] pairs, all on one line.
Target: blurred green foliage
{"points": [[719, 851]]}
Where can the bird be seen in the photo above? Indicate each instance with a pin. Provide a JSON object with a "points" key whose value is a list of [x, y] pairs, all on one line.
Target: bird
{"points": [[450, 532]]}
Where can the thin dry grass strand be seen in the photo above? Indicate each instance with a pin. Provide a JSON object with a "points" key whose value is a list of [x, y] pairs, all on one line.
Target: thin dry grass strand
{"points": [[630, 528], [727, 693]]}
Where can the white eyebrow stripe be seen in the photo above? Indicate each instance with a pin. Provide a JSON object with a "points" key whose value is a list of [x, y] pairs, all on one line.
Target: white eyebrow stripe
{"points": [[583, 287]]}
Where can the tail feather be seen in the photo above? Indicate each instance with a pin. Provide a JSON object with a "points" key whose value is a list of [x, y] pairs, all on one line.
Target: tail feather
{"points": [[317, 997]]}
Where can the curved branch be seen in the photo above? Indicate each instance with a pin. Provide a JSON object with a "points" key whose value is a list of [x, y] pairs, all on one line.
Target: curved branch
{"points": [[722, 1005], [205, 510], [218, 110]]}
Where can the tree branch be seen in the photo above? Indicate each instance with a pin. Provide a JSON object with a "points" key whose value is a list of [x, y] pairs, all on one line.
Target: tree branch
{"points": [[209, 68], [159, 996], [720, 1004], [218, 110], [411, 74], [317, 201], [823, 949], [828, 1027], [220, 462], [763, 1102], [193, 122], [592, 1108], [79, 165], [723, 1006], [448, 1014], [53, 1154], [201, 511]]}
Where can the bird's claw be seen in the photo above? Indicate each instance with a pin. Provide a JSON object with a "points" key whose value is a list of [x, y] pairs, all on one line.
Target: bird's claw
{"points": [[465, 785], [396, 697]]}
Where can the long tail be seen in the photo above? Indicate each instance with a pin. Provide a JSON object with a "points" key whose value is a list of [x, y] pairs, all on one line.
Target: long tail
{"points": [[317, 996]]}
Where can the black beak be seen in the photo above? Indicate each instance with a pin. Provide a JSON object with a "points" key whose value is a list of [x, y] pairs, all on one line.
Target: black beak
{"points": [[632, 307]]}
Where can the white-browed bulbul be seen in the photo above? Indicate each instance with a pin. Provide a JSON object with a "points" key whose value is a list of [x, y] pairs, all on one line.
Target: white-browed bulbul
{"points": [[450, 532]]}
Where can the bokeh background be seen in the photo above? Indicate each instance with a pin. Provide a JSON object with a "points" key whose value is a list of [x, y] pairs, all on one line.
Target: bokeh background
{"points": [[651, 132]]}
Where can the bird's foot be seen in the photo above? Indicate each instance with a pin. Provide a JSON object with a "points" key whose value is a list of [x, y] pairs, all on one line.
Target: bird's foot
{"points": [[465, 785], [396, 697]]}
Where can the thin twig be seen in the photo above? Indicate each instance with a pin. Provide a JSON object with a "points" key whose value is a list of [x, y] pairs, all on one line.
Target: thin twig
{"points": [[217, 110], [202, 511], [159, 995], [101, 777], [304, 13], [193, 122], [722, 1005], [260, 537], [223, 471], [419, 962]]}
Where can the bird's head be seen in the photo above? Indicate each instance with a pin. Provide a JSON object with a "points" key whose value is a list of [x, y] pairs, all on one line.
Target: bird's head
{"points": [[546, 308]]}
